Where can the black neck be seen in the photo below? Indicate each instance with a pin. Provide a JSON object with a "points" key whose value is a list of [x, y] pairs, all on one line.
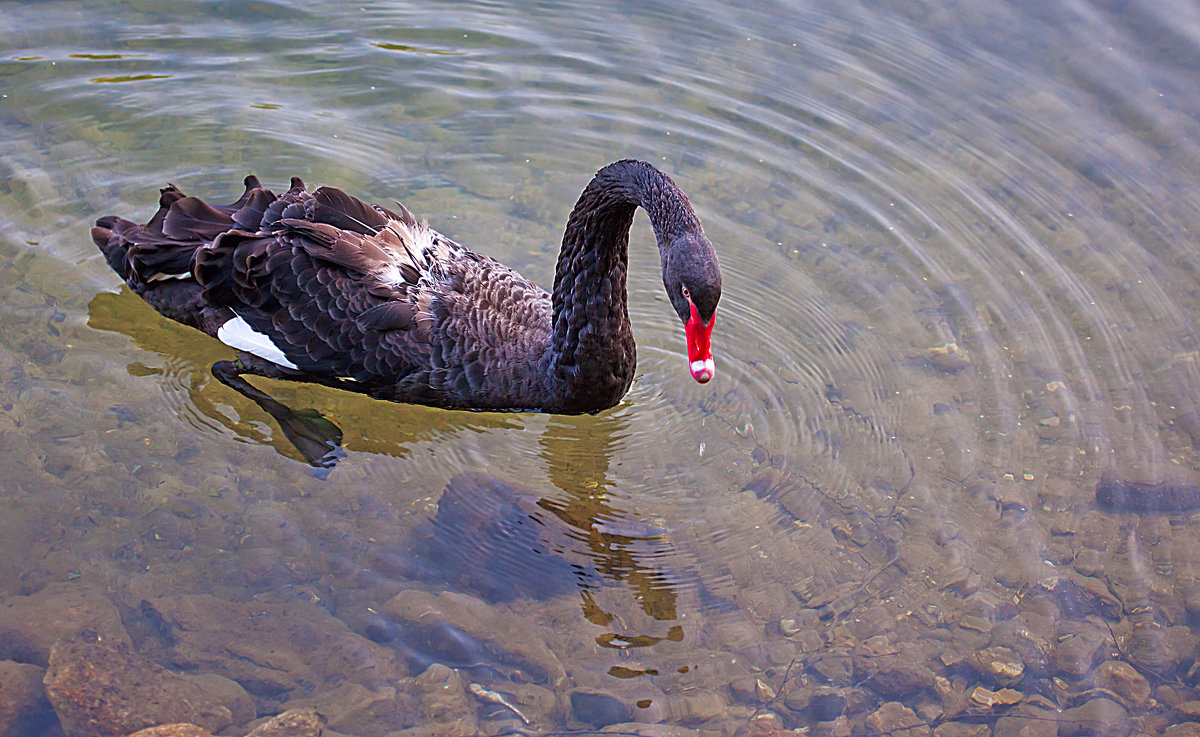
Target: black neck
{"points": [[593, 341]]}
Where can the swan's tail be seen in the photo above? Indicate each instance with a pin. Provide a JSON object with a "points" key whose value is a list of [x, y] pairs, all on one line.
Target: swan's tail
{"points": [[157, 260], [164, 249]]}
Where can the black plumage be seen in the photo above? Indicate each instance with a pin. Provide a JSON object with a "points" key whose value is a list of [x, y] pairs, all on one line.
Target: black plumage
{"points": [[324, 287]]}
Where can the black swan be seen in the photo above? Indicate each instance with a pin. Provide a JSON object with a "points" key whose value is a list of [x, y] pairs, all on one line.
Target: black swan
{"points": [[325, 288]]}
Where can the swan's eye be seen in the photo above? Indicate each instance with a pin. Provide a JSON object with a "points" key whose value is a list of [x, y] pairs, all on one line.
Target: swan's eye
{"points": [[686, 293]]}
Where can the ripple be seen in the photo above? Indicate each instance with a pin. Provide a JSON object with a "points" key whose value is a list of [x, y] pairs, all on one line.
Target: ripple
{"points": [[958, 247]]}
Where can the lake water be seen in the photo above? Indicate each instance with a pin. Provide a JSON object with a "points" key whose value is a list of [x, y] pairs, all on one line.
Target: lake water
{"points": [[959, 244]]}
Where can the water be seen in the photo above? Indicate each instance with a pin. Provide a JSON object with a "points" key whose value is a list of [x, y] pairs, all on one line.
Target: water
{"points": [[958, 244]]}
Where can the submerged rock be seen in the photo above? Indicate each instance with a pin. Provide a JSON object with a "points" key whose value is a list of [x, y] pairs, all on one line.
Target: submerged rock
{"points": [[1030, 721], [173, 730], [1124, 680], [445, 704], [896, 718], [354, 709], [898, 674], [998, 664], [105, 689], [1097, 718], [276, 650], [292, 723], [948, 357], [463, 631], [30, 625], [24, 709], [1078, 651], [985, 699]]}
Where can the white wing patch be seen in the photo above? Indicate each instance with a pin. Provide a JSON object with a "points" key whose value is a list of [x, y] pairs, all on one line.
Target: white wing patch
{"points": [[165, 277], [237, 333], [410, 244]]}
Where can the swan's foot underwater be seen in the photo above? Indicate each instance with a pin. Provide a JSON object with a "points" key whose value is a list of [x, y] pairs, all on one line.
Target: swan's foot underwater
{"points": [[317, 439]]}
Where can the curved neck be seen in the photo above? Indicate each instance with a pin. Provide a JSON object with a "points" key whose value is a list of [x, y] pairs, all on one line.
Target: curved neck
{"points": [[593, 344]]}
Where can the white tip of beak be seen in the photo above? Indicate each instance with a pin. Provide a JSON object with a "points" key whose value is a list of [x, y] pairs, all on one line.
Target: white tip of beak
{"points": [[703, 371]]}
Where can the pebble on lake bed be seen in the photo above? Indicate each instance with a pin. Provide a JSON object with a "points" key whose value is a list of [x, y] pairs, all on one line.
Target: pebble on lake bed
{"points": [[982, 697], [1123, 680], [948, 358], [293, 723], [896, 718]]}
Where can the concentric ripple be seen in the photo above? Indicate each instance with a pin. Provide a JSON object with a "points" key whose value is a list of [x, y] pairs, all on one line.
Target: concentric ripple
{"points": [[958, 246]]}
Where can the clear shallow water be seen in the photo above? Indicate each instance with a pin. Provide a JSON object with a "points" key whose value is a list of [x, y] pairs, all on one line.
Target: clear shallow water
{"points": [[959, 256]]}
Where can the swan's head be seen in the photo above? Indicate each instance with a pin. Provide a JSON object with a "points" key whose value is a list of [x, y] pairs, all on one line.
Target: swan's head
{"points": [[692, 277]]}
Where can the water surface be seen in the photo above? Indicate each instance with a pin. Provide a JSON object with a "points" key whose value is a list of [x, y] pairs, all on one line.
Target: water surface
{"points": [[959, 258]]}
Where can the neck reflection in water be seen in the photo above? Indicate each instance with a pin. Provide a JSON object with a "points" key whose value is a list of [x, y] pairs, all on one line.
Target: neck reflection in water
{"points": [[500, 541]]}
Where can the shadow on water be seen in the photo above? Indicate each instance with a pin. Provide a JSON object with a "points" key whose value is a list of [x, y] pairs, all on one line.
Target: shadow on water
{"points": [[500, 541]]}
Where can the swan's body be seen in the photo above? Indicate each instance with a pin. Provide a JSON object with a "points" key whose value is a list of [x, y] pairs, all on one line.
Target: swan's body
{"points": [[323, 287]]}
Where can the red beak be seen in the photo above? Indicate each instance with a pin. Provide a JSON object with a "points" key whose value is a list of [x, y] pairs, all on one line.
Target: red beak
{"points": [[699, 337]]}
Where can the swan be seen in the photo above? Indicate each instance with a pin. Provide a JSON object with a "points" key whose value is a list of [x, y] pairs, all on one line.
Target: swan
{"points": [[326, 288]]}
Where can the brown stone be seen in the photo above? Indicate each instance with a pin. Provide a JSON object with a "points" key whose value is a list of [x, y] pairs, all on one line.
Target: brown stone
{"points": [[100, 688], [1035, 723], [30, 625], [1148, 647], [23, 706], [292, 723], [230, 693], [1124, 680], [1189, 710], [894, 717], [899, 674], [962, 729], [1001, 665], [173, 730], [986, 699], [1098, 718]]}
